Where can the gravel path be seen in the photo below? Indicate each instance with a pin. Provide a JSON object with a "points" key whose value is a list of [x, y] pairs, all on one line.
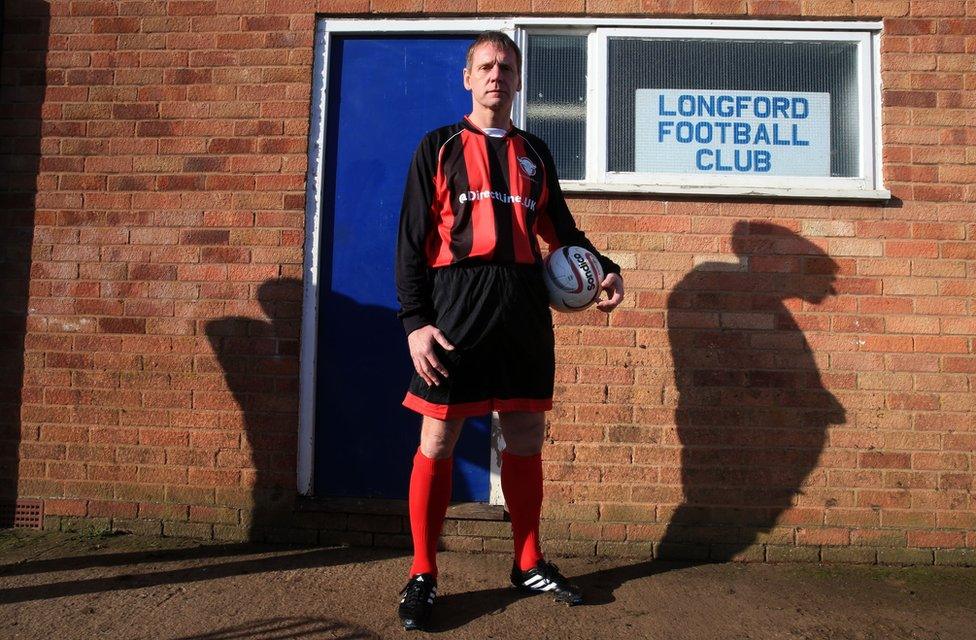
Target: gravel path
{"points": [[70, 586]]}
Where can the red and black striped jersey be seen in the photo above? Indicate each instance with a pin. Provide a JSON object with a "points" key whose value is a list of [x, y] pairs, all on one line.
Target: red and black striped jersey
{"points": [[471, 197]]}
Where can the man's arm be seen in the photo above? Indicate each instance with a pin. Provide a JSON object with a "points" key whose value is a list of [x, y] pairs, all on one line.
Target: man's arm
{"points": [[412, 279], [558, 228], [412, 271]]}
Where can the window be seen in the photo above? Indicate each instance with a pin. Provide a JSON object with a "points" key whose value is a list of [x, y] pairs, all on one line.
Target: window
{"points": [[750, 111], [556, 101]]}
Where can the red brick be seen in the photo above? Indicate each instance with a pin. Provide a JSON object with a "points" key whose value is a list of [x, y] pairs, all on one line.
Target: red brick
{"points": [[938, 8], [181, 183], [881, 460], [941, 344], [93, 8], [161, 475], [265, 23], [115, 25], [122, 325], [900, 499], [205, 237], [913, 401], [911, 249], [960, 364], [213, 477], [937, 539], [191, 7], [216, 515], [171, 512], [908, 98], [823, 536], [231, 145], [102, 508], [887, 344], [933, 193], [910, 27], [63, 507]]}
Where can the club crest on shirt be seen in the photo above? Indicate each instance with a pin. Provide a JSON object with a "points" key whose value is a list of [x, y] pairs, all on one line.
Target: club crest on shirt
{"points": [[527, 166]]}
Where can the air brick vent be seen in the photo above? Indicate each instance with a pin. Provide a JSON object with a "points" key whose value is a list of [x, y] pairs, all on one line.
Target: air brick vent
{"points": [[25, 514]]}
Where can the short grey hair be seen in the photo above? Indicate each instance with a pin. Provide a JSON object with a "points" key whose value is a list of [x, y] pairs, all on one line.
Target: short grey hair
{"points": [[500, 40]]}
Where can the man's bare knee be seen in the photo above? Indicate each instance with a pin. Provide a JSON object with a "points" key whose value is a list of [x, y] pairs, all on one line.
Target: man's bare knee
{"points": [[524, 431], [438, 437]]}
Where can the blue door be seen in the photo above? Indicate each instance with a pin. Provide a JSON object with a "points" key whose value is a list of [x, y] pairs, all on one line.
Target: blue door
{"points": [[384, 94]]}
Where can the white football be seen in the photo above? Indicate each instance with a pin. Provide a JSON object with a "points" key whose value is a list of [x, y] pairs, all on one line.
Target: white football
{"points": [[573, 276]]}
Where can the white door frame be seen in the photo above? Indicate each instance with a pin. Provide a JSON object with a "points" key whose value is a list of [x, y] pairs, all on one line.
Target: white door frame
{"points": [[324, 29]]}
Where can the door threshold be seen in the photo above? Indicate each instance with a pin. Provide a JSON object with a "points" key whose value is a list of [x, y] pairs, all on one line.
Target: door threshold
{"points": [[386, 506]]}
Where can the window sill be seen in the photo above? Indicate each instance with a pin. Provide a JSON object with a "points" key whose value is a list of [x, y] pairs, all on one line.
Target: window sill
{"points": [[876, 195]]}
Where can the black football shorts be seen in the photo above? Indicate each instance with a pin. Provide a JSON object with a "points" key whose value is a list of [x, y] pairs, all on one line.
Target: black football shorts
{"points": [[497, 317]]}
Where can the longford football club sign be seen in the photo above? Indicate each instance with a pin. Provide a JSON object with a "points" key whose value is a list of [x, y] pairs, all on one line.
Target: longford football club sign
{"points": [[766, 133]]}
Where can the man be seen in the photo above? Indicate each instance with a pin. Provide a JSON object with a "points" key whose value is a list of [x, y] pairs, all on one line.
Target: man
{"points": [[475, 309]]}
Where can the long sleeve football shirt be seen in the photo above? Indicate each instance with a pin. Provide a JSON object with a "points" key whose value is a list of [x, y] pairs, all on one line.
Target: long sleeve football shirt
{"points": [[471, 197]]}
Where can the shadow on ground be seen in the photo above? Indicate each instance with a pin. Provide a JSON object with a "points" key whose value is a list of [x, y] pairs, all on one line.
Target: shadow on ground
{"points": [[277, 559], [457, 610], [284, 628], [226, 592]]}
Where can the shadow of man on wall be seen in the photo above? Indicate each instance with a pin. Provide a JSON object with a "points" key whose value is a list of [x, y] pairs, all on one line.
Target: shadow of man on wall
{"points": [[366, 447], [24, 28], [260, 361], [752, 411]]}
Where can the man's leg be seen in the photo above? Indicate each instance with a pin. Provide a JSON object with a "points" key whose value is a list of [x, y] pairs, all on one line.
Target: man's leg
{"points": [[524, 433], [430, 489], [522, 485]]}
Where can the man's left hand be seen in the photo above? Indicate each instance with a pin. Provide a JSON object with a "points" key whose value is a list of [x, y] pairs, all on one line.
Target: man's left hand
{"points": [[613, 284]]}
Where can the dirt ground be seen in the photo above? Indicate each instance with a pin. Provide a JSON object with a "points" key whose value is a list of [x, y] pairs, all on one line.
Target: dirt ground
{"points": [[55, 585]]}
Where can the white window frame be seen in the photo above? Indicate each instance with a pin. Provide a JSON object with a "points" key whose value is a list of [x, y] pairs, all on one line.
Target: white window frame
{"points": [[866, 185]]}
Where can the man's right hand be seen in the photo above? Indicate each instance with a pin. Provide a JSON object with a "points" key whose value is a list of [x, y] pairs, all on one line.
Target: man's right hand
{"points": [[421, 343]]}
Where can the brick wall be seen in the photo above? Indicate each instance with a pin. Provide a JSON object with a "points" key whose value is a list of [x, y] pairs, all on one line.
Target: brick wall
{"points": [[733, 408], [22, 85]]}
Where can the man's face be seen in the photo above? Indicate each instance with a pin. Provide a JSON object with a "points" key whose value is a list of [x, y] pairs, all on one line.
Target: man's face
{"points": [[493, 77]]}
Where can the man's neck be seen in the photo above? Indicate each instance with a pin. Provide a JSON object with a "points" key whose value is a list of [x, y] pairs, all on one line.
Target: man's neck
{"points": [[488, 119]]}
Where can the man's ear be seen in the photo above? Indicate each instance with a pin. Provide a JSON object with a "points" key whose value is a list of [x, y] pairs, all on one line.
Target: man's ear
{"points": [[465, 73]]}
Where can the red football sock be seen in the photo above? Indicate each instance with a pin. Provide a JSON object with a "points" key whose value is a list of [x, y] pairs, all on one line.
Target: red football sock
{"points": [[430, 493], [522, 486]]}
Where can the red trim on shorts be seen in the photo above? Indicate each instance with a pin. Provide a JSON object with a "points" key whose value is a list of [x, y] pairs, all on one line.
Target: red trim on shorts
{"points": [[468, 409], [523, 404]]}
